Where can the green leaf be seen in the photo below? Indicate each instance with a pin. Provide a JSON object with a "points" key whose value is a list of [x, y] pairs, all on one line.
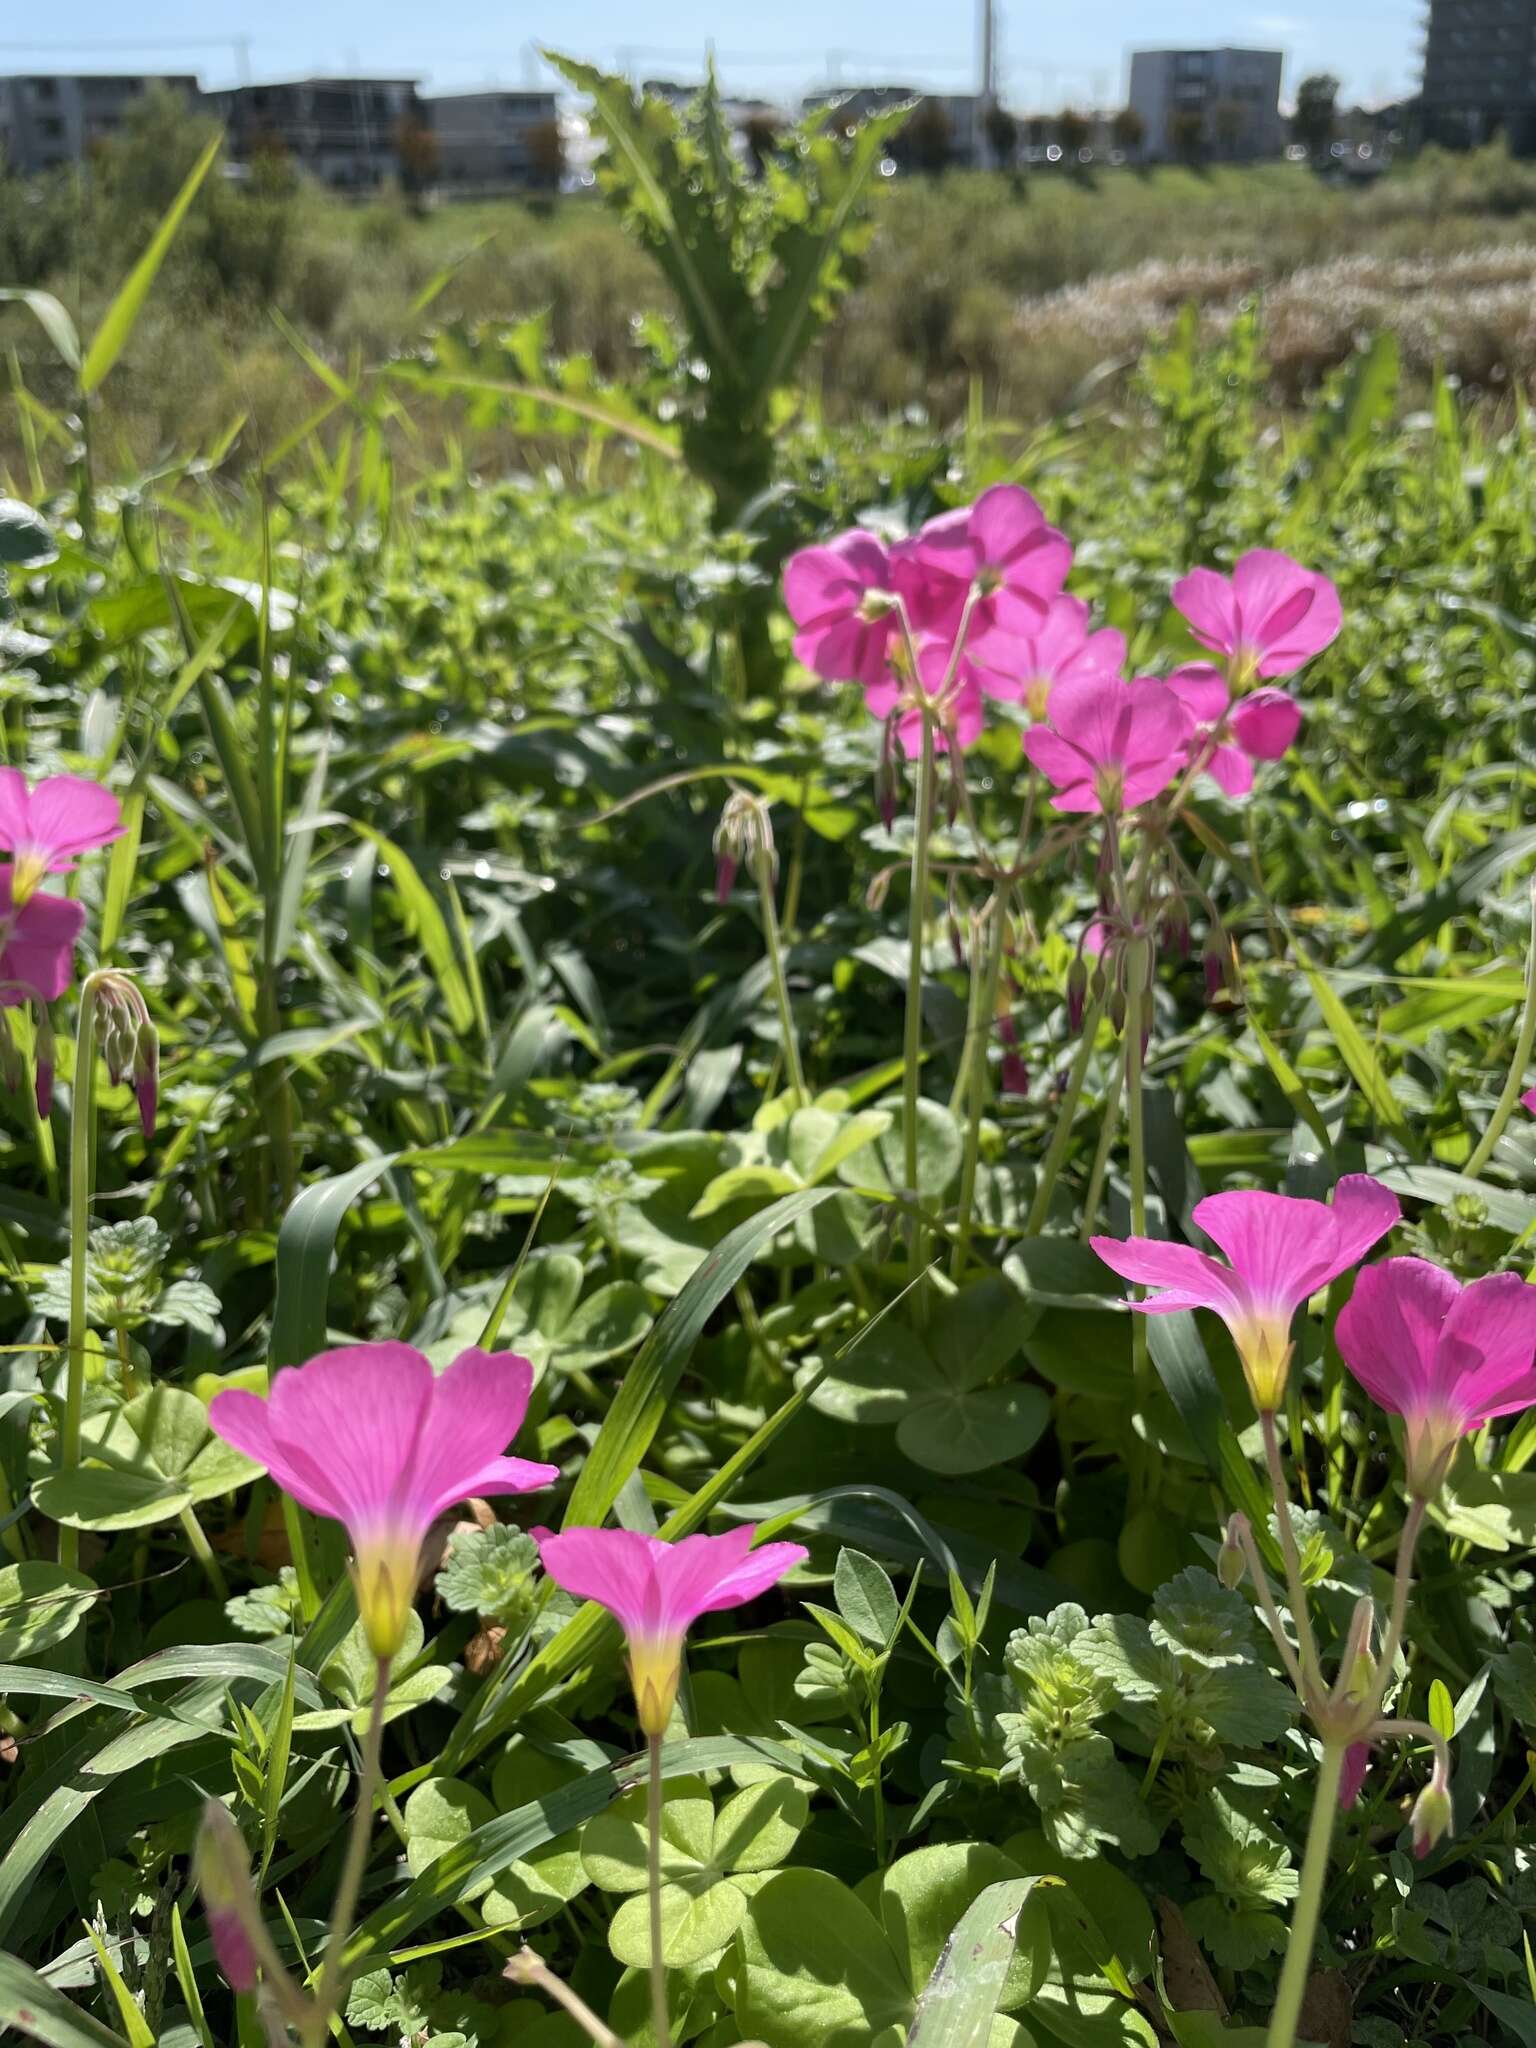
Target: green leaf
{"points": [[306, 1246], [425, 921], [1195, 1615], [31, 2005], [923, 1895], [968, 1432], [1369, 1074], [51, 317], [26, 539], [813, 1968], [881, 1164], [743, 1184], [41, 1605], [866, 1599], [641, 1403], [966, 1988], [121, 316]]}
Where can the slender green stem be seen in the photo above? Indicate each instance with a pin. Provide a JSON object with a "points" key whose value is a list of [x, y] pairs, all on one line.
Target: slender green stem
{"points": [[1296, 1591], [298, 1550], [1155, 1762], [349, 1889], [1504, 1108], [1061, 1137], [984, 1006], [1109, 1120], [1297, 1968], [527, 1968], [202, 1550], [659, 2023], [762, 866], [82, 1116], [1402, 1584], [1138, 967], [1266, 1599], [912, 1046]]}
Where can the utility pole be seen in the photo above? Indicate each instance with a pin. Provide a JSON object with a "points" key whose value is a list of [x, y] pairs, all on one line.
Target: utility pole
{"points": [[986, 93]]}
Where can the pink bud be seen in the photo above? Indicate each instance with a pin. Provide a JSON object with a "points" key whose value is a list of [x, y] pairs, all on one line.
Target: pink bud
{"points": [[1215, 974], [1014, 1079], [1007, 1030], [223, 1873], [1077, 995], [43, 1081], [725, 877], [1431, 1817], [1357, 1760]]}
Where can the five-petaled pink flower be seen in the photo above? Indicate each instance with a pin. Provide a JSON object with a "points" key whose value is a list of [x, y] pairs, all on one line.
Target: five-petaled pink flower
{"points": [[372, 1437], [1000, 549], [1281, 1249], [1445, 1357], [37, 957], [658, 1590], [1230, 736], [1110, 745], [840, 597], [45, 829], [1268, 618], [1026, 667], [954, 700]]}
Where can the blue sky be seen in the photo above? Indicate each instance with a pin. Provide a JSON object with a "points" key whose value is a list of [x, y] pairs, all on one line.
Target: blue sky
{"points": [[1049, 54]]}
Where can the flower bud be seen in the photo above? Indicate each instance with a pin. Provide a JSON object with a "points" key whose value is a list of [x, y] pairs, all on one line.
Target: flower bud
{"points": [[725, 877], [222, 1869], [1357, 1759], [1231, 1564], [1117, 1009], [1014, 1079], [10, 1057], [146, 1076], [1432, 1816], [1077, 994], [1215, 973]]}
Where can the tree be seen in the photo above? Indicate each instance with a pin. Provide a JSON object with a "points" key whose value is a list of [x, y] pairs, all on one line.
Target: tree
{"points": [[1072, 132], [928, 142], [1316, 115], [416, 150], [1186, 134], [1129, 130], [1002, 134], [546, 154]]}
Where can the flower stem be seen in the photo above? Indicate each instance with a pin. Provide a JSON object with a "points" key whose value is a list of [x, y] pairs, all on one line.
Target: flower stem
{"points": [[1066, 1113], [1297, 1968], [82, 1118], [1504, 1108], [659, 2025], [328, 1991], [1296, 1592], [762, 868], [202, 1550], [984, 1007], [527, 1968], [1136, 1126], [1402, 1583], [1109, 1115], [912, 1047]]}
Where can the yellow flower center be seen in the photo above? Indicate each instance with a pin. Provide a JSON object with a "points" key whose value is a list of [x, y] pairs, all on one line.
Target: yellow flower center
{"points": [[1109, 781], [1037, 693], [27, 872], [655, 1671], [1264, 1346], [384, 1573]]}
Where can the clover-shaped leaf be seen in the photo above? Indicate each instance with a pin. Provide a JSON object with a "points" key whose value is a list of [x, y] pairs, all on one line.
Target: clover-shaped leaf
{"points": [[41, 1604], [539, 1883], [710, 1863], [145, 1462]]}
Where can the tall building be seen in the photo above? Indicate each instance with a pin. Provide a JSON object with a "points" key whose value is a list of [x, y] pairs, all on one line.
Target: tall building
{"points": [[1222, 104], [347, 132], [51, 119], [494, 139], [1480, 73]]}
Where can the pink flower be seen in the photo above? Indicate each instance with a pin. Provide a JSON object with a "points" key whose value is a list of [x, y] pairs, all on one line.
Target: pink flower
{"points": [[1000, 547], [37, 958], [1230, 736], [658, 1590], [1110, 745], [1059, 649], [1528, 1100], [1269, 618], [1447, 1358], [1281, 1251], [46, 828], [840, 597], [372, 1437], [958, 710]]}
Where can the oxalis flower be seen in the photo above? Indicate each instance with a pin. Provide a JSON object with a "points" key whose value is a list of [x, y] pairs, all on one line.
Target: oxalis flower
{"points": [[956, 710], [372, 1437], [45, 829], [1000, 548], [840, 597], [1268, 618], [1230, 736], [1110, 745], [1447, 1358], [657, 1591], [1281, 1250], [1025, 668], [37, 953]]}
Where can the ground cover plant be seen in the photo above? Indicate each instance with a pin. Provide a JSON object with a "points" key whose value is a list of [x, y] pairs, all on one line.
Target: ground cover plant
{"points": [[765, 1276]]}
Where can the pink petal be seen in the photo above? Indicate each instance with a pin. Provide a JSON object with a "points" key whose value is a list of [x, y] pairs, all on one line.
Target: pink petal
{"points": [[1149, 779], [833, 578], [1389, 1330], [1187, 1277], [614, 1566], [1528, 1100], [1006, 522], [1202, 690], [1266, 724], [1363, 1212], [1357, 1761], [1231, 770], [1056, 757], [1095, 717], [1160, 724], [39, 955], [68, 815], [15, 828], [1287, 613], [760, 1571], [1487, 1359], [475, 1410], [355, 1414], [1274, 1242], [1206, 600]]}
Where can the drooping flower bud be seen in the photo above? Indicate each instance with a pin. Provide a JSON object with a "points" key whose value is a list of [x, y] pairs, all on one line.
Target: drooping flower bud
{"points": [[223, 1872], [743, 833], [1215, 972], [1357, 1761], [1117, 1009], [43, 1063], [1231, 1563], [1432, 1815], [146, 1075], [1014, 1078], [725, 877], [885, 773]]}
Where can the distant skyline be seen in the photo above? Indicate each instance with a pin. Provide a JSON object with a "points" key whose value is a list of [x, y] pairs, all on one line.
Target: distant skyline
{"points": [[1047, 56]]}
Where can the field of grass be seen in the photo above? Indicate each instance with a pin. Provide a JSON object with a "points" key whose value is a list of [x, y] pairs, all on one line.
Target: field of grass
{"points": [[519, 947]]}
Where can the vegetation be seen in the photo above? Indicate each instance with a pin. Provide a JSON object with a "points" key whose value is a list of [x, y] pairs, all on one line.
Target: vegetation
{"points": [[520, 947]]}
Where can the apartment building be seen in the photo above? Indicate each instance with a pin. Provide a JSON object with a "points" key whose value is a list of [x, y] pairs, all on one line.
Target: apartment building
{"points": [[1480, 73], [495, 140], [1222, 104], [350, 133], [48, 119]]}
